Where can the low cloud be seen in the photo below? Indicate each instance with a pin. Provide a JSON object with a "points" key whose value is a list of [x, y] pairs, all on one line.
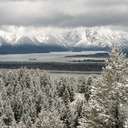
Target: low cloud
{"points": [[64, 13]]}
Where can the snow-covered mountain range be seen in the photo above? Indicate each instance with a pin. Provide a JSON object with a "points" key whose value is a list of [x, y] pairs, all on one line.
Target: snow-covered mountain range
{"points": [[38, 39]]}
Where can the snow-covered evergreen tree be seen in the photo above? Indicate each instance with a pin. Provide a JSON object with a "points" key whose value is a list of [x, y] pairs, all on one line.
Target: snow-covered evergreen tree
{"points": [[109, 94]]}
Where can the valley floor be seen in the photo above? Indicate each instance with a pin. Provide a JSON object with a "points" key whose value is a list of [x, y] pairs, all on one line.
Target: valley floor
{"points": [[79, 62]]}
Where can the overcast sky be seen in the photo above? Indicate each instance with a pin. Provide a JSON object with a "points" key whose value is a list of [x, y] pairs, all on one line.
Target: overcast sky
{"points": [[64, 13]]}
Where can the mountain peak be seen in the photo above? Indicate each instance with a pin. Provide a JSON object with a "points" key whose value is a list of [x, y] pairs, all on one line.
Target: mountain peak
{"points": [[81, 37]]}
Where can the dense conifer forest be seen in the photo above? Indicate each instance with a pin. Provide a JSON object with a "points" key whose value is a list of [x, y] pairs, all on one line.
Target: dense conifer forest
{"points": [[31, 98]]}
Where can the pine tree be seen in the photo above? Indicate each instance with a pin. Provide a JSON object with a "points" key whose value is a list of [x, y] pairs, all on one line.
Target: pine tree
{"points": [[81, 87], [88, 87], [108, 95]]}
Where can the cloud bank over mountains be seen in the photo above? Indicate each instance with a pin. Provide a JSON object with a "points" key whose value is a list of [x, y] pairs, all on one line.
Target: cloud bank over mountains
{"points": [[62, 24]]}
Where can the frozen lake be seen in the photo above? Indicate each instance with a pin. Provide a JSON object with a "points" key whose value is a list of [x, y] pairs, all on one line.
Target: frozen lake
{"points": [[46, 57], [60, 62]]}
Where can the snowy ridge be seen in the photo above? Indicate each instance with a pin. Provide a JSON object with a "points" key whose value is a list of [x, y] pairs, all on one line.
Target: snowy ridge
{"points": [[73, 37]]}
